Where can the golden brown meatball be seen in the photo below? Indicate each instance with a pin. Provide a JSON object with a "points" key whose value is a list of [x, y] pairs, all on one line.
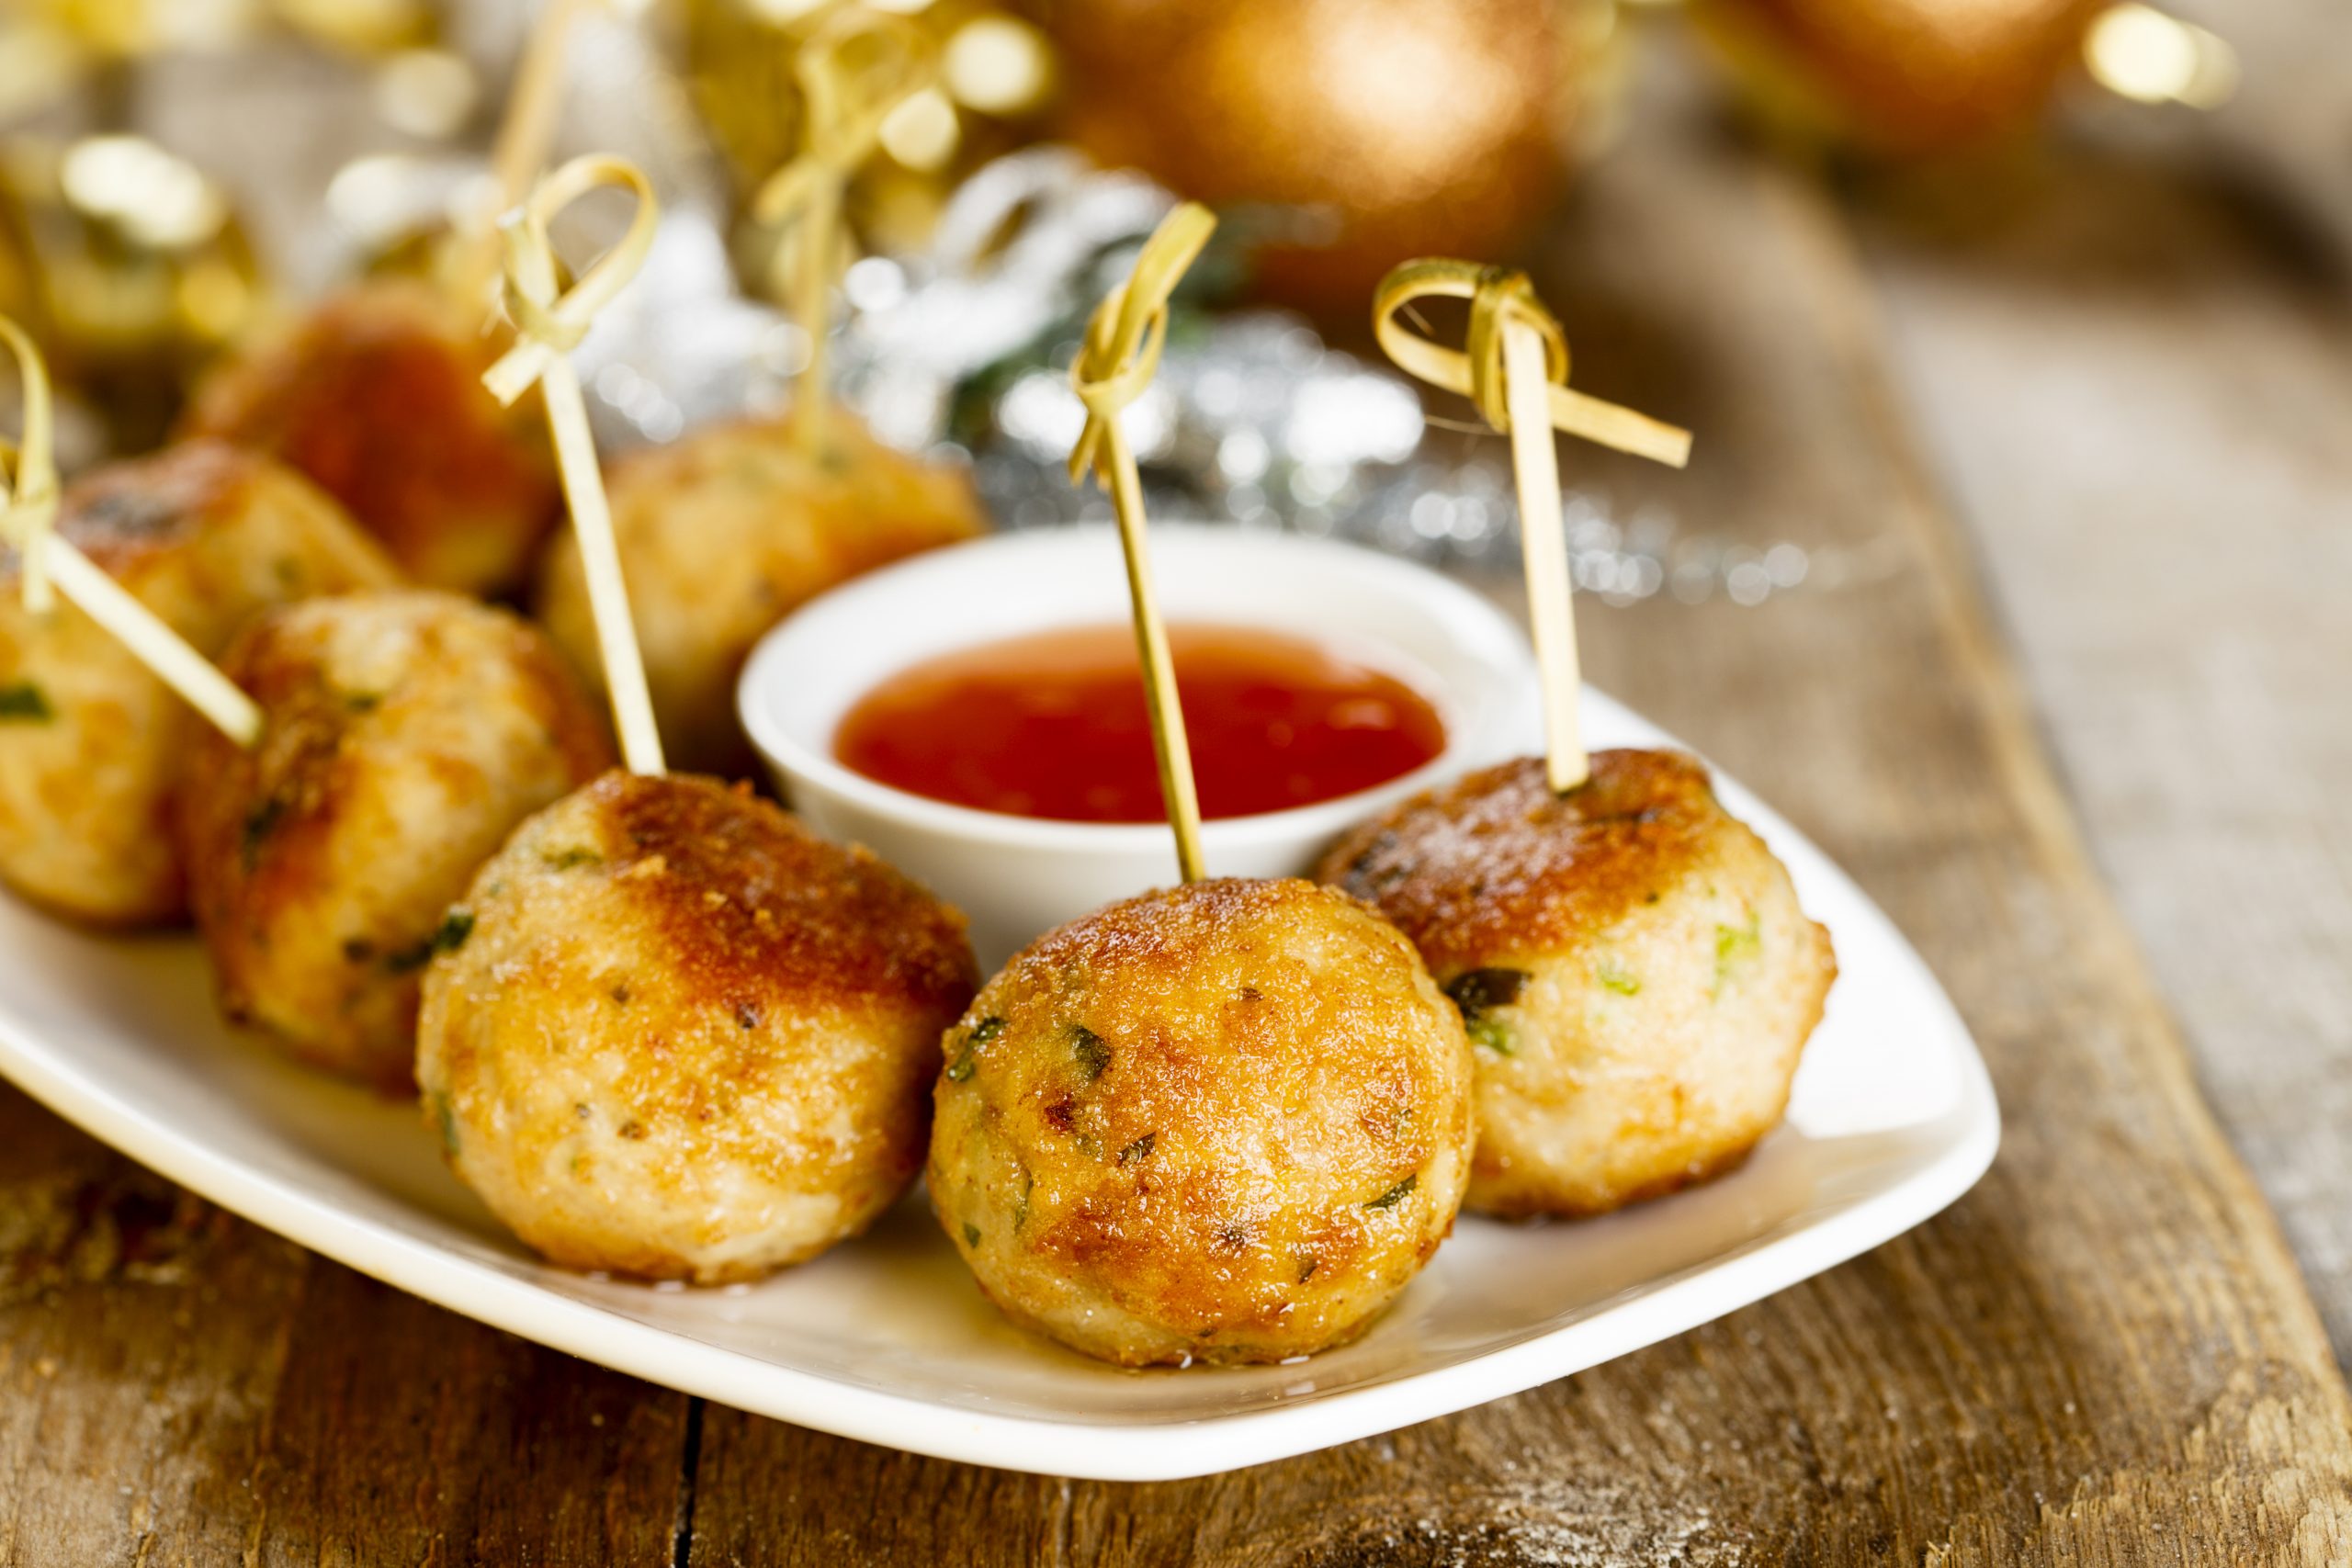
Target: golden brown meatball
{"points": [[723, 534], [1634, 970], [204, 536], [682, 1037], [406, 734], [1224, 1122], [377, 396]]}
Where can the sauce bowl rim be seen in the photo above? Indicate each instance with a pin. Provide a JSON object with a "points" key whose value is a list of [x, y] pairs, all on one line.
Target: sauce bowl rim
{"points": [[796, 759]]}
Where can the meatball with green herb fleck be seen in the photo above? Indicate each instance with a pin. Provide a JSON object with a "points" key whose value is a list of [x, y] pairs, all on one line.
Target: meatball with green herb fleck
{"points": [[686, 1038], [404, 734], [204, 536], [1631, 962], [1224, 1122], [724, 532]]}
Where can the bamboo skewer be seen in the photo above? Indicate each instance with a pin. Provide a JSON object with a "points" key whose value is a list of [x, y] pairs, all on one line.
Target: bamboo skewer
{"points": [[29, 503], [1514, 367], [548, 327], [845, 102], [525, 135], [1122, 350]]}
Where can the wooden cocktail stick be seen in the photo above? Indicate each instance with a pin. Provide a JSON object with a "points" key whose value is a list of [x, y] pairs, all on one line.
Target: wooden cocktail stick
{"points": [[28, 502], [526, 133], [1514, 367], [548, 326], [844, 98], [1122, 350]]}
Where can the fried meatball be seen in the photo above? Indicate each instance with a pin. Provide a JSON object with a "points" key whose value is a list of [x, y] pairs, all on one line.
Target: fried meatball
{"points": [[377, 396], [405, 734], [1226, 1122], [679, 1036], [1631, 961], [204, 536], [723, 534]]}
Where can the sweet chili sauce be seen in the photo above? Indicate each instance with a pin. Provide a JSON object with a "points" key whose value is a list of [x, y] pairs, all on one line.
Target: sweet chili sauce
{"points": [[1053, 723]]}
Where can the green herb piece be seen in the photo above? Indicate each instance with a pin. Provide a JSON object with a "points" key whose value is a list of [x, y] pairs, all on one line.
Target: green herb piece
{"points": [[971, 1233], [1396, 1194], [260, 823], [447, 937], [358, 950], [1735, 947], [362, 701], [1616, 978], [1495, 1035], [1480, 991], [23, 702], [1139, 1149], [446, 1119], [567, 860], [967, 1060], [1093, 1052]]}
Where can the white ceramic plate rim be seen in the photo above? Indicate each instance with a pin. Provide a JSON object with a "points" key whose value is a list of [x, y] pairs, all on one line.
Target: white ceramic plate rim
{"points": [[1165, 1450]]}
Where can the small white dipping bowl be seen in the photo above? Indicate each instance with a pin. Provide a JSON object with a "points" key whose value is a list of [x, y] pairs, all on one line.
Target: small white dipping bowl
{"points": [[1017, 877]]}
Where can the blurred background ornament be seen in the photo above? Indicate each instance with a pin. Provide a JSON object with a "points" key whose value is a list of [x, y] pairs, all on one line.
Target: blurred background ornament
{"points": [[997, 76], [129, 266], [1907, 77], [1366, 132]]}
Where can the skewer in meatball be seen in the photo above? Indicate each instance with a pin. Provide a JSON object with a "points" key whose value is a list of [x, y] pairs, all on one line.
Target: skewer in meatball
{"points": [[405, 734], [682, 1037], [377, 396], [724, 532], [1224, 1122], [204, 536], [1631, 961]]}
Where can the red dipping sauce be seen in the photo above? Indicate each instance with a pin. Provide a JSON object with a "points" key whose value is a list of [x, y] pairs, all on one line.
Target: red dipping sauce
{"points": [[1053, 723]]}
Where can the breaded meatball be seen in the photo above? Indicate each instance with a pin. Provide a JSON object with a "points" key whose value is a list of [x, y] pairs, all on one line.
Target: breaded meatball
{"points": [[377, 396], [204, 536], [1635, 973], [405, 734], [726, 532], [679, 1036], [1226, 1122]]}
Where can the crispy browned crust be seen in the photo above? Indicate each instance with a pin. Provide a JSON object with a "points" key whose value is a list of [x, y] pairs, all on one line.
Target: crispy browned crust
{"points": [[378, 399], [124, 513], [1265, 1077], [754, 905], [296, 770], [257, 828], [1497, 863]]}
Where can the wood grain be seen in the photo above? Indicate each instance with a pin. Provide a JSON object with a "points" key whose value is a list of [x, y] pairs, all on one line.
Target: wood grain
{"points": [[2138, 375], [2103, 1355]]}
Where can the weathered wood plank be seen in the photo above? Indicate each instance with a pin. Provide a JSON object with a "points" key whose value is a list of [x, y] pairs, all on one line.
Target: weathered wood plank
{"points": [[2103, 1355], [177, 1386], [2138, 379]]}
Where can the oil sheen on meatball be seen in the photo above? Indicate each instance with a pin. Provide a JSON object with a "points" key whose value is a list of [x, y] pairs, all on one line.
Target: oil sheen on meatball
{"points": [[1634, 970], [677, 1035], [377, 396], [405, 734], [724, 532], [1226, 1122], [204, 536]]}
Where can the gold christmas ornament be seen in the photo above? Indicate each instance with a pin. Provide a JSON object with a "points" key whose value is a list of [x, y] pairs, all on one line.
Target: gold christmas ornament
{"points": [[1390, 128], [1922, 76], [129, 266], [998, 75]]}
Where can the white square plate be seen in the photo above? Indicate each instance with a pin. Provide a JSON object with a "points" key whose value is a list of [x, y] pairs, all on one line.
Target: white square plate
{"points": [[886, 1338]]}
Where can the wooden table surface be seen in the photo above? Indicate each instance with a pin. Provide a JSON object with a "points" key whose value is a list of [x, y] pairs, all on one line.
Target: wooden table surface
{"points": [[2093, 417]]}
